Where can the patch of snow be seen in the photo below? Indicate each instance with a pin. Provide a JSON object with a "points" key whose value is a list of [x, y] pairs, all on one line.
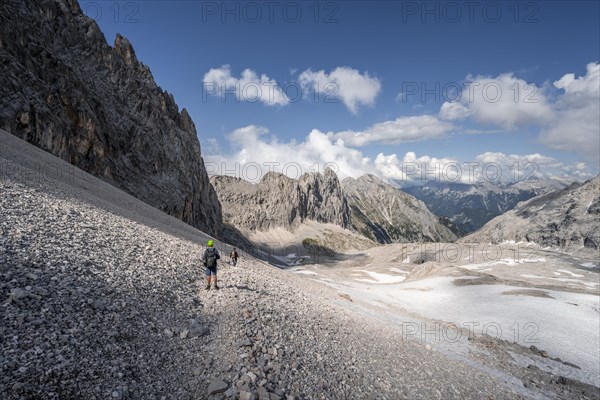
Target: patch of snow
{"points": [[532, 260], [475, 266], [570, 273], [567, 280], [503, 261], [566, 331], [399, 271], [589, 265], [381, 278], [534, 276], [305, 272], [530, 243], [588, 207], [542, 207]]}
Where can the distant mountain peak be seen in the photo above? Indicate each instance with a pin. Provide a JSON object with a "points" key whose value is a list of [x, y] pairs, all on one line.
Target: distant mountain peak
{"points": [[386, 214]]}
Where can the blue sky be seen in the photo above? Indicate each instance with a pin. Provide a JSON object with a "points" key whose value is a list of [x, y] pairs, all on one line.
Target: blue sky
{"points": [[370, 53]]}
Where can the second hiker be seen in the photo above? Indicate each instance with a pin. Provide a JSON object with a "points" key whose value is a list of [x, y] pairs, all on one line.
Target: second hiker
{"points": [[209, 259], [233, 257]]}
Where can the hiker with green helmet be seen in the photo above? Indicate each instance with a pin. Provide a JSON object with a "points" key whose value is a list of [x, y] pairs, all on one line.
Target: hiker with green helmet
{"points": [[209, 259]]}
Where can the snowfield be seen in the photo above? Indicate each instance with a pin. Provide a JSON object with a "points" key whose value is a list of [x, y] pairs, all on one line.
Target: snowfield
{"points": [[546, 301]]}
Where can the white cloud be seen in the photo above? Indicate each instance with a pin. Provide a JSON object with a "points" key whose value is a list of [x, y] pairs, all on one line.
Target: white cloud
{"points": [[255, 153], [576, 125], [519, 167], [588, 85], [504, 101], [489, 167], [343, 83], [412, 168], [248, 87], [569, 121], [453, 111], [400, 130]]}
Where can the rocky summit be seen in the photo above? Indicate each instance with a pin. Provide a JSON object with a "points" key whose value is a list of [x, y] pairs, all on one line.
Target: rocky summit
{"points": [[386, 214], [64, 89], [565, 220], [280, 201]]}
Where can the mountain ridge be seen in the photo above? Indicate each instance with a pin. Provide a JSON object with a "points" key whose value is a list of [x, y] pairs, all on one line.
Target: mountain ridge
{"points": [[279, 201], [470, 206], [386, 214], [565, 220]]}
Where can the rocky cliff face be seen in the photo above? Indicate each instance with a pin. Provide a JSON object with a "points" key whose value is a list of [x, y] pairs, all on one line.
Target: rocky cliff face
{"points": [[565, 220], [64, 89], [385, 214], [278, 201]]}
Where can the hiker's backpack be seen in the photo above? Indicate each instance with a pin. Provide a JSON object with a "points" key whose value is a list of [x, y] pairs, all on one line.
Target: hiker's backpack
{"points": [[211, 257]]}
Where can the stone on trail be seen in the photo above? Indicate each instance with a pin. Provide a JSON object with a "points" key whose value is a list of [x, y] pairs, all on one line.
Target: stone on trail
{"points": [[244, 342], [263, 394], [18, 294], [246, 396], [217, 386]]}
